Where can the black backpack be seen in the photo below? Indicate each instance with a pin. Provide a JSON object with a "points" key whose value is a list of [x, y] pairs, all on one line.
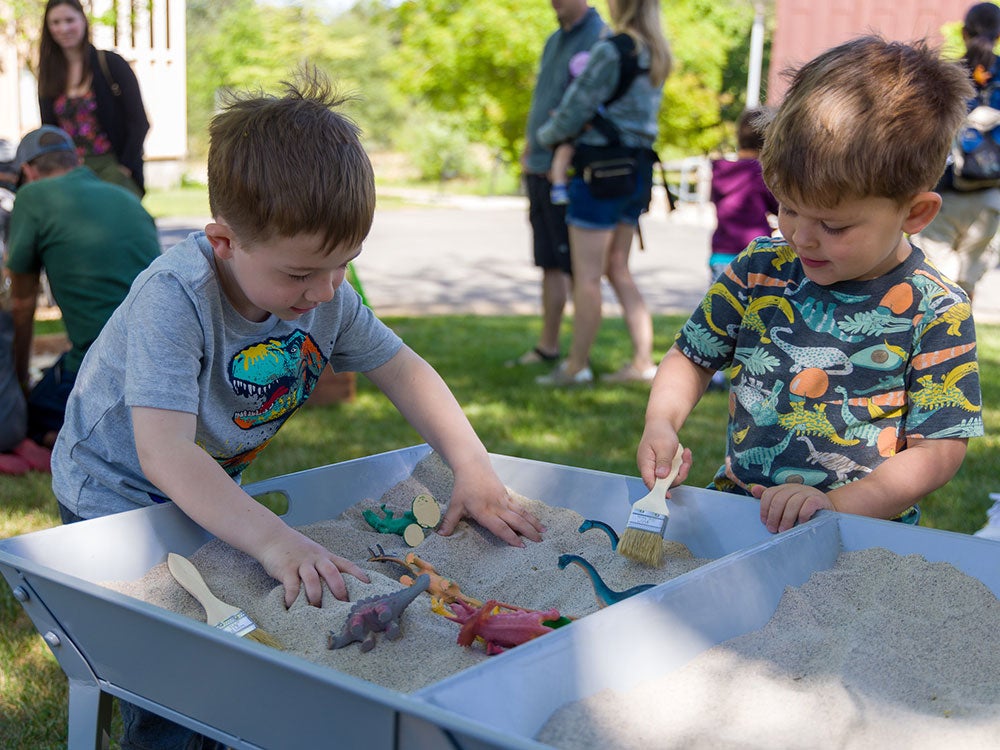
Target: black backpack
{"points": [[629, 71]]}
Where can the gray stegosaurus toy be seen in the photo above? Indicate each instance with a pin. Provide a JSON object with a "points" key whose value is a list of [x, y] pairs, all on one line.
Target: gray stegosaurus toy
{"points": [[377, 614]]}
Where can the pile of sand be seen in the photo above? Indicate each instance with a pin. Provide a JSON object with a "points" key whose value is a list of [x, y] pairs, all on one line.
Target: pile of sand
{"points": [[881, 650], [483, 566]]}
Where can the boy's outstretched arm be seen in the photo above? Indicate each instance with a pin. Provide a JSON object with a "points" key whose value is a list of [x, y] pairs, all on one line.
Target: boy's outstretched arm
{"points": [[891, 488], [190, 477], [426, 402], [676, 390]]}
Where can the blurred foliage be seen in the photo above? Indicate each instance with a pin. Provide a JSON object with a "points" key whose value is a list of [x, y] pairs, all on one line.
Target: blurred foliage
{"points": [[415, 68], [454, 73], [246, 45]]}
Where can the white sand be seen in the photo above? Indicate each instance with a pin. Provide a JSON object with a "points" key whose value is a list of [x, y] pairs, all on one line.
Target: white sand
{"points": [[483, 566], [880, 651]]}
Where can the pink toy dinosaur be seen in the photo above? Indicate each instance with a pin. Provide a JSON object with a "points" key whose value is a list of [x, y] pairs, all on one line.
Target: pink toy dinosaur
{"points": [[499, 630]]}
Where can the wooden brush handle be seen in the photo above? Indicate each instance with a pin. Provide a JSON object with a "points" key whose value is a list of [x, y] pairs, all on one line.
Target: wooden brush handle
{"points": [[187, 575], [675, 466]]}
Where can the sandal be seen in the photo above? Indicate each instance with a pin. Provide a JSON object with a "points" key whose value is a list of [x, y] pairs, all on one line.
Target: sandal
{"points": [[533, 357]]}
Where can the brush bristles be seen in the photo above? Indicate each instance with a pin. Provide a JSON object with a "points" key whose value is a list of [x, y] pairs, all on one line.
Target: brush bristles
{"points": [[642, 546], [262, 636]]}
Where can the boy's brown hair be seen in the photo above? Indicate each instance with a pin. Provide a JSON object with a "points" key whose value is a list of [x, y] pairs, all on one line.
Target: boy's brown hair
{"points": [[288, 165], [868, 118]]}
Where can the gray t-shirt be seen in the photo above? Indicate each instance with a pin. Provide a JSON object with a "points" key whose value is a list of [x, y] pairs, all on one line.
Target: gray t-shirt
{"points": [[177, 343]]}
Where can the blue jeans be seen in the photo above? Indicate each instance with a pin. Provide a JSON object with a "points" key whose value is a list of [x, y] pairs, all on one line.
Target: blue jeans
{"points": [[47, 401]]}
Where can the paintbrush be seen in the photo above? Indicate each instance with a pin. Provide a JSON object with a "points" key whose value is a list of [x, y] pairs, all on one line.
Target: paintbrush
{"points": [[218, 614], [642, 540]]}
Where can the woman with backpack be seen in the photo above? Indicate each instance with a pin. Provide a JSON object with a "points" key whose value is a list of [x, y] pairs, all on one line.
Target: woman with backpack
{"points": [[959, 239], [612, 110]]}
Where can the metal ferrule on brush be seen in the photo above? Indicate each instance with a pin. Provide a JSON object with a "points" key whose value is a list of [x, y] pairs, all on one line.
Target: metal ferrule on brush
{"points": [[644, 520]]}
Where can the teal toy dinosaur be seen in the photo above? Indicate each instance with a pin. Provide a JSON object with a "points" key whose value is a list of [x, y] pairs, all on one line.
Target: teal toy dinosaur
{"points": [[591, 524], [388, 523], [604, 594]]}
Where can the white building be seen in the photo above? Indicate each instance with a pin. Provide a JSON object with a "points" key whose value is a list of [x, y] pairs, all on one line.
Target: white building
{"points": [[150, 34]]}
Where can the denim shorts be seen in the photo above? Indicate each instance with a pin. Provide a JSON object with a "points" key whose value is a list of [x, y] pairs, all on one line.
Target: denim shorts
{"points": [[587, 212]]}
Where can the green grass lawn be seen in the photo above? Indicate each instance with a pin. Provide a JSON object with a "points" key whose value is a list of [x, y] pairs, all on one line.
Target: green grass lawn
{"points": [[595, 428], [189, 200]]}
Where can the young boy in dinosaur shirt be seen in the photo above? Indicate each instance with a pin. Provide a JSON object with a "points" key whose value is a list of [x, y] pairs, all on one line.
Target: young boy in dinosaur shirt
{"points": [[855, 384], [223, 337]]}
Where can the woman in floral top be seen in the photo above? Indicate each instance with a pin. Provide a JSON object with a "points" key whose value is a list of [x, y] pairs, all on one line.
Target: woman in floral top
{"points": [[97, 102]]}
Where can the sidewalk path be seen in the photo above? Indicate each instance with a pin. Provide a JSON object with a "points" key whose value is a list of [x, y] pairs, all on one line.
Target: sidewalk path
{"points": [[456, 254]]}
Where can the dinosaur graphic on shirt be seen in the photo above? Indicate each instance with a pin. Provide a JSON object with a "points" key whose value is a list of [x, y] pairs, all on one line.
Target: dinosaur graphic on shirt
{"points": [[279, 373]]}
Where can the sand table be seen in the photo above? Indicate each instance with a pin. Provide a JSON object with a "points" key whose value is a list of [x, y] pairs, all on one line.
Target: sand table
{"points": [[881, 650], [483, 566]]}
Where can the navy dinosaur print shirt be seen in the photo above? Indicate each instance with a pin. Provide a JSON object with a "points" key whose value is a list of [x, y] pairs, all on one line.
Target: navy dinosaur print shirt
{"points": [[829, 381]]}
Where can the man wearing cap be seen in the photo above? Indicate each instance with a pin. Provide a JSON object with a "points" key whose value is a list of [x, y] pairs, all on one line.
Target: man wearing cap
{"points": [[92, 238]]}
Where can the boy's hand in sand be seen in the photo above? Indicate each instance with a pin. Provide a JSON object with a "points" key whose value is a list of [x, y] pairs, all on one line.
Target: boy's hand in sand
{"points": [[784, 505], [296, 560], [486, 500]]}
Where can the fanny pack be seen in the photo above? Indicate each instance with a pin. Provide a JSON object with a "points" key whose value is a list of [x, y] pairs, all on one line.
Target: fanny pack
{"points": [[609, 171]]}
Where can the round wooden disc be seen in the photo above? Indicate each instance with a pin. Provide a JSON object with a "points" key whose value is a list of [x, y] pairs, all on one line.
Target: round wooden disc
{"points": [[426, 510], [413, 535]]}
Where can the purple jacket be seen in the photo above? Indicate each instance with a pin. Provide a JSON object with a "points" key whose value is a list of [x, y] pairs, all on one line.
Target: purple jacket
{"points": [[742, 204]]}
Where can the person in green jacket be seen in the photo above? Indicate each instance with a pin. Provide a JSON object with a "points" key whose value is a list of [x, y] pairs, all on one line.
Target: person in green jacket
{"points": [[92, 238]]}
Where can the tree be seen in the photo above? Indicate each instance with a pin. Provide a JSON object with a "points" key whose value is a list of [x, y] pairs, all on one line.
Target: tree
{"points": [[478, 58], [472, 58], [224, 50], [706, 91], [245, 45], [20, 24]]}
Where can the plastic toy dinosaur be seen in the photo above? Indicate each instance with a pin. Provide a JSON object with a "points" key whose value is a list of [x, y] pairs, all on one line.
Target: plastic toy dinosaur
{"points": [[388, 523], [605, 595], [591, 524], [443, 588], [497, 629], [377, 614]]}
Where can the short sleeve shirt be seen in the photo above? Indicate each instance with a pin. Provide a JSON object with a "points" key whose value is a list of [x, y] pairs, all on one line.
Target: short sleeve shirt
{"points": [[830, 381], [177, 343]]}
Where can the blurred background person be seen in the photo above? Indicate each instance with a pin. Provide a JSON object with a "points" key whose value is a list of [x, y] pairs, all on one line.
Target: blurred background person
{"points": [[91, 238], [959, 240], [91, 94], [601, 230]]}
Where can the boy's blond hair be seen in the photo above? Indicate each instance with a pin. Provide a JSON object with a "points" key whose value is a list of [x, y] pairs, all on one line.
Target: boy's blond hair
{"points": [[868, 118], [279, 166]]}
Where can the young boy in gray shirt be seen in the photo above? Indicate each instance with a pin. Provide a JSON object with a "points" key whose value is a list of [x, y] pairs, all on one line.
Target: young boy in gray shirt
{"points": [[225, 335], [222, 338]]}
